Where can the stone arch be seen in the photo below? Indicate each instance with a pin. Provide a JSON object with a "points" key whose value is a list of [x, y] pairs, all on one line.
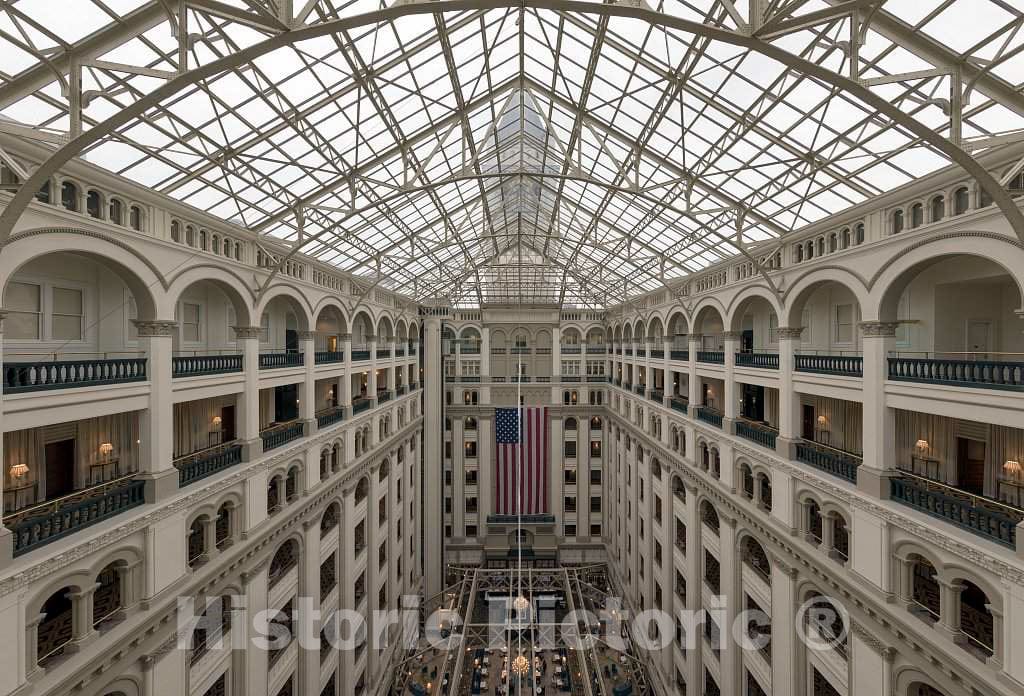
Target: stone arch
{"points": [[330, 309], [747, 298], [708, 315], [385, 328], [223, 278], [294, 297], [892, 279], [362, 326], [142, 278], [800, 291]]}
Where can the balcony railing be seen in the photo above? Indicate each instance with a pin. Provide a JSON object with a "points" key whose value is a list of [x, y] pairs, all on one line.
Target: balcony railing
{"points": [[197, 365], [400, 389], [519, 379], [680, 404], [641, 352], [43, 375], [657, 395], [360, 404], [330, 416], [383, 353], [469, 349], [832, 461], [571, 348], [676, 354], [629, 351], [281, 435], [322, 357], [596, 378], [657, 353], [766, 361], [845, 365], [982, 516], [469, 378], [711, 356], [383, 396], [754, 432], [628, 386], [569, 378], [40, 524], [967, 372], [360, 354], [519, 350], [269, 361], [709, 415], [596, 348], [399, 351], [199, 465], [638, 389]]}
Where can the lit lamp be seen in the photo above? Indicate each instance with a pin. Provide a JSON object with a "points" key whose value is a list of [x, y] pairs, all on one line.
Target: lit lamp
{"points": [[1011, 467], [520, 603], [822, 422], [106, 449], [19, 471], [922, 446], [520, 665], [217, 420]]}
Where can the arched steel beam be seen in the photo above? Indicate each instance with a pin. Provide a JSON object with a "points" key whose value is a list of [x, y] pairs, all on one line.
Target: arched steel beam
{"points": [[104, 128]]}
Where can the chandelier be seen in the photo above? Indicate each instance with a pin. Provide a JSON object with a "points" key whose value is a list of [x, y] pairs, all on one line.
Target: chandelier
{"points": [[520, 603], [520, 665]]}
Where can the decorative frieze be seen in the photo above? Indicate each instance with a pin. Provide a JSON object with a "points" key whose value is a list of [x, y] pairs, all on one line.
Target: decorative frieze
{"points": [[789, 333], [246, 332], [879, 329], [155, 328]]}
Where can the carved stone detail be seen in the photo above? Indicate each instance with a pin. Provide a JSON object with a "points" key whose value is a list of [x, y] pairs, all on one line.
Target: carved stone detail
{"points": [[306, 335], [155, 327], [246, 332], [732, 335], [879, 329], [869, 638], [789, 333]]}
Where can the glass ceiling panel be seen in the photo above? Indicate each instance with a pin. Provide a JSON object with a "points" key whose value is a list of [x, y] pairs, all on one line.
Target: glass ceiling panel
{"points": [[515, 154]]}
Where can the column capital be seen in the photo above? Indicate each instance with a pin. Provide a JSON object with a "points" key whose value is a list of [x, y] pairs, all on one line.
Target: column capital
{"points": [[306, 335], [789, 333], [246, 332], [148, 328], [879, 329]]}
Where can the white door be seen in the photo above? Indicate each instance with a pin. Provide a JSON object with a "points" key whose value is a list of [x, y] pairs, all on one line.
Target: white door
{"points": [[979, 337]]}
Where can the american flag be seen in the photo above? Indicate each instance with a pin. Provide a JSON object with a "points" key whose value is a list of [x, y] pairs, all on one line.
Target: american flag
{"points": [[526, 464]]}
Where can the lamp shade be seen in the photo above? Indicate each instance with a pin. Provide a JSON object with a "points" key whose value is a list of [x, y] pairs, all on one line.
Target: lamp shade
{"points": [[1012, 467], [106, 448], [922, 445], [217, 420], [18, 470]]}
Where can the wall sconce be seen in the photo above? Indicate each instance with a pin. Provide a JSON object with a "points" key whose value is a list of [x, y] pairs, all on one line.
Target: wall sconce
{"points": [[922, 446], [106, 449], [18, 471], [822, 421], [217, 420], [1011, 467]]}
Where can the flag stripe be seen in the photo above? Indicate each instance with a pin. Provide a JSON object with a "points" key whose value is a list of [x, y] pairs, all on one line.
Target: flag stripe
{"points": [[521, 444]]}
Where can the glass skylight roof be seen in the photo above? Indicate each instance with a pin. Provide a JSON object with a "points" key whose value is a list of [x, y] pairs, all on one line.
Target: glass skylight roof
{"points": [[519, 153]]}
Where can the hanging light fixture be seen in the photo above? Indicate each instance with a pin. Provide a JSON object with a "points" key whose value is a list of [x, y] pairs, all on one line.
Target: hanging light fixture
{"points": [[520, 665], [520, 603]]}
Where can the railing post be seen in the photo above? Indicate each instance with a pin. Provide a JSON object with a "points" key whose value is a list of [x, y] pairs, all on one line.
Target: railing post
{"points": [[789, 401], [248, 337], [730, 412], [879, 430], [157, 421], [6, 537]]}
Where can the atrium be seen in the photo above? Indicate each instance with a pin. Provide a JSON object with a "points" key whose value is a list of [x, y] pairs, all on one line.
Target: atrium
{"points": [[488, 348]]}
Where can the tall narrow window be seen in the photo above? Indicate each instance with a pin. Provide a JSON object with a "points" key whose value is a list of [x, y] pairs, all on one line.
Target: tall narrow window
{"points": [[24, 311], [67, 314], [190, 323], [844, 323]]}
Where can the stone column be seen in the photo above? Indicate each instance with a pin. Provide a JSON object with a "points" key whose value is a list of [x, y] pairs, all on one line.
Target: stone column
{"points": [[870, 664], [371, 382], [485, 457], [485, 365], [307, 389], [730, 401], [785, 642], [308, 670], [81, 607], [256, 592], [949, 607], [391, 370], [879, 431], [345, 381], [6, 537], [666, 373], [248, 406], [694, 342], [433, 458], [556, 363], [458, 477], [789, 399], [555, 476], [156, 426]]}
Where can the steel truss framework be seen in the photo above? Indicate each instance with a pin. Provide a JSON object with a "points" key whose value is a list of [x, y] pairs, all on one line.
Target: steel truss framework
{"points": [[548, 151]]}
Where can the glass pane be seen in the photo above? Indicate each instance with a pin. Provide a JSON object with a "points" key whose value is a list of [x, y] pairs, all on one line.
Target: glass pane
{"points": [[21, 325], [190, 332], [66, 301], [191, 314], [67, 328], [23, 296]]}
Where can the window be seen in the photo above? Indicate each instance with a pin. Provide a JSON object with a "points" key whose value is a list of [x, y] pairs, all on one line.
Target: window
{"points": [[471, 530], [265, 328], [570, 477], [595, 448], [844, 323], [23, 304], [66, 323], [570, 530], [570, 449], [470, 448], [916, 215], [190, 323], [595, 477]]}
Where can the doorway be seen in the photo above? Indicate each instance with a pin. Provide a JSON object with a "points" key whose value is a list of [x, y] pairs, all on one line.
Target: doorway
{"points": [[807, 422], [753, 402], [747, 341], [970, 465], [285, 406], [60, 468], [979, 337], [227, 424]]}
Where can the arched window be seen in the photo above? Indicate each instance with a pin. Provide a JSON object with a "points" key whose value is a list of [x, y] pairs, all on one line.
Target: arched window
{"points": [[291, 484], [961, 201], [709, 517], [107, 600], [135, 218], [330, 520], [799, 251], [92, 204], [984, 198], [897, 221], [190, 235], [976, 620], [925, 594], [570, 425], [116, 211], [55, 630], [858, 234], [69, 196], [273, 495], [215, 245], [833, 242], [916, 216], [196, 543], [202, 239], [222, 532], [43, 194], [175, 231], [844, 240], [937, 208], [286, 558]]}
